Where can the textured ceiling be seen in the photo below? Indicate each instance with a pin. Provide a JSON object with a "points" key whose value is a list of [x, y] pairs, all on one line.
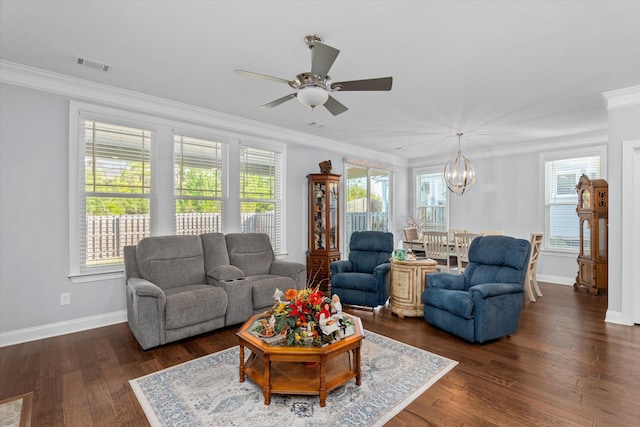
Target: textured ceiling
{"points": [[503, 72]]}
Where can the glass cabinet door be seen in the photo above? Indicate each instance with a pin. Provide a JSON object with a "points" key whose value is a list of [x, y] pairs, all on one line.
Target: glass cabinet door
{"points": [[319, 215], [333, 215], [585, 199], [602, 238], [586, 238]]}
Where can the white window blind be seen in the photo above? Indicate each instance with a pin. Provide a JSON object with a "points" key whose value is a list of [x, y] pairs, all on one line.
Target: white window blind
{"points": [[261, 204], [561, 175], [431, 201], [114, 193], [199, 191]]}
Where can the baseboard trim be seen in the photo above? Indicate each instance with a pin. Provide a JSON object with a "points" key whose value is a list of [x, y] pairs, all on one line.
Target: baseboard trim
{"points": [[556, 279], [617, 317], [61, 328]]}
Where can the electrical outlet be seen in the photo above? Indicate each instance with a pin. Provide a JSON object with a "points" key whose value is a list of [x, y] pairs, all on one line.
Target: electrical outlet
{"points": [[65, 298]]}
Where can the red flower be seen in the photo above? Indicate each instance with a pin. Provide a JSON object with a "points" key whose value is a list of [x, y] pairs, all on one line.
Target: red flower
{"points": [[316, 298]]}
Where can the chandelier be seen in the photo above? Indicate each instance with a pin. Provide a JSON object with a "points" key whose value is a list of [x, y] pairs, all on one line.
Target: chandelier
{"points": [[458, 173]]}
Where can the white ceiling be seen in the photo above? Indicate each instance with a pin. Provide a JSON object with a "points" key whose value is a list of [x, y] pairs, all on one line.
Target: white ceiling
{"points": [[503, 72]]}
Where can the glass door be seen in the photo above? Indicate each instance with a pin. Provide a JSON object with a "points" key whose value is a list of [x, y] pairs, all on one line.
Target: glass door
{"points": [[368, 200]]}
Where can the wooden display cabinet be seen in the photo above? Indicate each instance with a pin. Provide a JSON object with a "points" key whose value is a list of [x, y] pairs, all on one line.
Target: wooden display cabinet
{"points": [[324, 228], [593, 207]]}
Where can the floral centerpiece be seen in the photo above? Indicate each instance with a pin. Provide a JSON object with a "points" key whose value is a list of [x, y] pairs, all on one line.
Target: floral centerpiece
{"points": [[298, 315], [301, 317]]}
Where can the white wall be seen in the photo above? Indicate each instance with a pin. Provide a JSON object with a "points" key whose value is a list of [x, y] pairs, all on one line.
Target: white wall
{"points": [[624, 125], [34, 209], [34, 212], [508, 196], [303, 161]]}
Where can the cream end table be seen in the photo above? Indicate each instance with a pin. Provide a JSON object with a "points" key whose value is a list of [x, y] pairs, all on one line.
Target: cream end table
{"points": [[407, 285]]}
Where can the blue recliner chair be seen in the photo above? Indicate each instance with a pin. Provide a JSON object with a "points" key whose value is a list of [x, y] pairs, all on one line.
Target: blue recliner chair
{"points": [[363, 279], [484, 302]]}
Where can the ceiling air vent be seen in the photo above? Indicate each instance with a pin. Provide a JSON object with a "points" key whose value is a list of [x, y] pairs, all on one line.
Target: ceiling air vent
{"points": [[93, 64]]}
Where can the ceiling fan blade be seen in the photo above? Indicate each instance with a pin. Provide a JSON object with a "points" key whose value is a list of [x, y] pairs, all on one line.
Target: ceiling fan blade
{"points": [[262, 76], [382, 83], [334, 106], [278, 101], [322, 58]]}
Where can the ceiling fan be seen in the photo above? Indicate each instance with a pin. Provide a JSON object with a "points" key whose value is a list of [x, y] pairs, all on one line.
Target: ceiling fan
{"points": [[313, 88]]}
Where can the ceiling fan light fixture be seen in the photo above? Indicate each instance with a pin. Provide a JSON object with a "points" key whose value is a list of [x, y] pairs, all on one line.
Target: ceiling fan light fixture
{"points": [[312, 96]]}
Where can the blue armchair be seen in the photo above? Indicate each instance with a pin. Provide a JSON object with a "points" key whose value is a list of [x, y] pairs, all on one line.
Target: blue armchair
{"points": [[363, 279], [485, 302]]}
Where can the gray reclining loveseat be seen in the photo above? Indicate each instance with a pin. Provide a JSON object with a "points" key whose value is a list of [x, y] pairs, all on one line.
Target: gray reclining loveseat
{"points": [[180, 286]]}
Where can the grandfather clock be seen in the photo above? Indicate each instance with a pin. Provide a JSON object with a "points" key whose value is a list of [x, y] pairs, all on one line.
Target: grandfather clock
{"points": [[324, 228], [593, 208]]}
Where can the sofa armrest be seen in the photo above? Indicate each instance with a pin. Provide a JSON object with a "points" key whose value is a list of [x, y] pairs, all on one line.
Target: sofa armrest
{"points": [[487, 290], [145, 288], [287, 269], [146, 312], [223, 273], [342, 266], [382, 269], [445, 281]]}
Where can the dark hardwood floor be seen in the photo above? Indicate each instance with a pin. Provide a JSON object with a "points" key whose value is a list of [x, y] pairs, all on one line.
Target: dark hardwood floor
{"points": [[564, 367]]}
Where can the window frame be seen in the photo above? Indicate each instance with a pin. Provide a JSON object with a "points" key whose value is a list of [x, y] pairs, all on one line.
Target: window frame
{"points": [[279, 242], [550, 156], [162, 194], [223, 198], [368, 167], [432, 170], [78, 112]]}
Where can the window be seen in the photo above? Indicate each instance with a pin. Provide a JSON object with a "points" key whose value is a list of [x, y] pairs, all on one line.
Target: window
{"points": [[261, 194], [115, 192], [561, 174], [199, 172], [134, 175], [368, 197], [431, 201]]}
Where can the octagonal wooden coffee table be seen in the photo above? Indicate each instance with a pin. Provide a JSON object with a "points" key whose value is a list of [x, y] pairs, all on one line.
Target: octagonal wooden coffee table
{"points": [[299, 369]]}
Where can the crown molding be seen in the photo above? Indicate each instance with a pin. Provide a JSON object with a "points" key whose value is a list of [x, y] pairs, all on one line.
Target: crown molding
{"points": [[78, 89], [534, 146], [622, 97]]}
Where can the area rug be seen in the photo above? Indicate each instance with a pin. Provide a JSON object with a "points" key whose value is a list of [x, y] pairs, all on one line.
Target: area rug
{"points": [[16, 411], [207, 391]]}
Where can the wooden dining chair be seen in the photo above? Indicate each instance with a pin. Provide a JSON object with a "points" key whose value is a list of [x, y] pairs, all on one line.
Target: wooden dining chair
{"points": [[462, 242], [412, 240], [531, 283], [453, 231], [436, 247]]}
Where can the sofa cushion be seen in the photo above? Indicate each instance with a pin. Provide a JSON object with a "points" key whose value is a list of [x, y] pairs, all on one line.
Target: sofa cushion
{"points": [[497, 259], [264, 286], [251, 252], [214, 246], [171, 261], [369, 249], [188, 305], [458, 303], [357, 281]]}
